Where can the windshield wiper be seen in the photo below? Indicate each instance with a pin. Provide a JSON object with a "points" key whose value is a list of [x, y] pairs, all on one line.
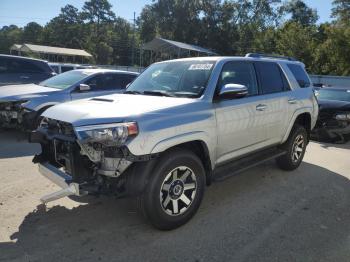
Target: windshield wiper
{"points": [[158, 93], [133, 92]]}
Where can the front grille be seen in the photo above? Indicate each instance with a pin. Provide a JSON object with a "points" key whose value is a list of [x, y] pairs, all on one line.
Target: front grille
{"points": [[58, 128]]}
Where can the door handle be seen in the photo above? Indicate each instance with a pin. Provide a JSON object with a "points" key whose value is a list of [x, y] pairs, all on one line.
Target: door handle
{"points": [[261, 107], [292, 101]]}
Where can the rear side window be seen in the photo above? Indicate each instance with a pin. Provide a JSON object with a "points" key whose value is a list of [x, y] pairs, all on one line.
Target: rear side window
{"points": [[300, 75], [272, 79]]}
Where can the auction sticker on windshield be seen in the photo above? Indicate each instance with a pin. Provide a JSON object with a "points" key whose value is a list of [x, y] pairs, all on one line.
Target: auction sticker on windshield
{"points": [[200, 67]]}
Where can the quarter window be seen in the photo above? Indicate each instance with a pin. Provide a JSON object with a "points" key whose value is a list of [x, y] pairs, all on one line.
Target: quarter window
{"points": [[241, 73], [300, 75]]}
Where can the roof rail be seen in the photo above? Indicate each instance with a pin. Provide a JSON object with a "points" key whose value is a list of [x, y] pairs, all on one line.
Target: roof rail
{"points": [[261, 55]]}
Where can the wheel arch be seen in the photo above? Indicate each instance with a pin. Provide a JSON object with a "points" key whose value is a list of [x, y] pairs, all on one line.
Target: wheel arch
{"points": [[302, 118]]}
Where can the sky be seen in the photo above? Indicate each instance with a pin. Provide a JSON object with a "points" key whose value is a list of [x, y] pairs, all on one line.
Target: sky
{"points": [[20, 12]]}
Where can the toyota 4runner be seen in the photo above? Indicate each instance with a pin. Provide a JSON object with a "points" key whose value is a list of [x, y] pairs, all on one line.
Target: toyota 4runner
{"points": [[180, 125]]}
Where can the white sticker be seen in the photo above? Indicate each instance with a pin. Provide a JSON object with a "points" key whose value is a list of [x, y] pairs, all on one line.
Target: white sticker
{"points": [[200, 67]]}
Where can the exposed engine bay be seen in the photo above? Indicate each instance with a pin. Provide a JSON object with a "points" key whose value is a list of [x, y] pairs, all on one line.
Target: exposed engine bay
{"points": [[96, 167]]}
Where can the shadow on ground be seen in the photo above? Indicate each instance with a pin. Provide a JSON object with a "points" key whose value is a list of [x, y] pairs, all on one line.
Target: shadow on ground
{"points": [[15, 144], [262, 215]]}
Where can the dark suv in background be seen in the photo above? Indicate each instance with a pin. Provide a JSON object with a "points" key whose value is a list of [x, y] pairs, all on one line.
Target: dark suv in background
{"points": [[23, 70]]}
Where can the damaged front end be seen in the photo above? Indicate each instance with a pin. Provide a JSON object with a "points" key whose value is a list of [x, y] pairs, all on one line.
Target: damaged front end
{"points": [[332, 126], [14, 115], [86, 160]]}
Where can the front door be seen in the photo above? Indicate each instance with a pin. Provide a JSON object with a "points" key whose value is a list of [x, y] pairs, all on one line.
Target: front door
{"points": [[240, 123]]}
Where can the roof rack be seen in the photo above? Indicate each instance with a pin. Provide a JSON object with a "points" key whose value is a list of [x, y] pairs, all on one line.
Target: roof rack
{"points": [[261, 55]]}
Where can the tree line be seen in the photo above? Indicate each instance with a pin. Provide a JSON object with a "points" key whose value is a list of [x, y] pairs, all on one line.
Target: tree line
{"points": [[228, 27]]}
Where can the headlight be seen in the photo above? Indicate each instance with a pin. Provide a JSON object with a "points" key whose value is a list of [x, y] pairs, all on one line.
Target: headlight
{"points": [[109, 135], [343, 117]]}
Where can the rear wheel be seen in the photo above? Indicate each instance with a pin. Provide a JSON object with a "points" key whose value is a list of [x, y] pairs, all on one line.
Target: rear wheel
{"points": [[295, 148], [174, 191]]}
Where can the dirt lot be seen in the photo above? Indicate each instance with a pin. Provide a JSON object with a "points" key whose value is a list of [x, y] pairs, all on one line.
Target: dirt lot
{"points": [[263, 214]]}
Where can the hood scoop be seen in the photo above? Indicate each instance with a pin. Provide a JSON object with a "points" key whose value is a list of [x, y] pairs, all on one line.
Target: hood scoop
{"points": [[103, 100]]}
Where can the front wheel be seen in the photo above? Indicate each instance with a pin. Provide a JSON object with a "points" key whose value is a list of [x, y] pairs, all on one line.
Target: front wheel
{"points": [[295, 148], [174, 191]]}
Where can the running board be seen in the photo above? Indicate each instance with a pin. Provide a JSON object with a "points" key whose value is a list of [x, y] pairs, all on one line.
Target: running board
{"points": [[237, 166]]}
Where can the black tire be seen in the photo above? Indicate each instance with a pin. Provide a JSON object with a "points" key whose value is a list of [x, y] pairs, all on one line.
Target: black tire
{"points": [[151, 202], [290, 161]]}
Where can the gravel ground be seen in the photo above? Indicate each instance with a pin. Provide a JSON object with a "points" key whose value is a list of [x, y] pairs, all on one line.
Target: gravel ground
{"points": [[263, 214]]}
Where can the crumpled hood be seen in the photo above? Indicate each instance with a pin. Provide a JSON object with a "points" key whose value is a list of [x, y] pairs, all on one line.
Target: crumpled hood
{"points": [[24, 92], [113, 108], [333, 105]]}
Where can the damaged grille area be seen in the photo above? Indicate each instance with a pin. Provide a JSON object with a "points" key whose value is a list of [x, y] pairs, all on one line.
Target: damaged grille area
{"points": [[10, 113], [80, 160]]}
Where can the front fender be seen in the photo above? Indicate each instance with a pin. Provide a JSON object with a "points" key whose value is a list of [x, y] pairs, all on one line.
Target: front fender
{"points": [[201, 136]]}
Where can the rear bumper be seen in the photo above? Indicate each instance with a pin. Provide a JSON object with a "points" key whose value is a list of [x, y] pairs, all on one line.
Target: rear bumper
{"points": [[61, 179]]}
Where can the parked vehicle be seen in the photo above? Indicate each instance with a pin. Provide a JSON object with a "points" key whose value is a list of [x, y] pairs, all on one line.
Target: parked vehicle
{"points": [[60, 68], [23, 70], [180, 125], [22, 105], [333, 123]]}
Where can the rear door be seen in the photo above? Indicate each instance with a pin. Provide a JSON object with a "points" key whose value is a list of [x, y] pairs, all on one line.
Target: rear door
{"points": [[275, 92]]}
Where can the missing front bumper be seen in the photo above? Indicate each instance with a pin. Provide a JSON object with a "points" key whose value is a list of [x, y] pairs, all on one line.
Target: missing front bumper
{"points": [[62, 180]]}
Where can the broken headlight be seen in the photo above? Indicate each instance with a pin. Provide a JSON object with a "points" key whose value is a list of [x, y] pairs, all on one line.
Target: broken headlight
{"points": [[108, 135]]}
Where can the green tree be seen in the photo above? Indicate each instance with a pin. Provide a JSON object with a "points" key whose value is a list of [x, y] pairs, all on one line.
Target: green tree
{"points": [[9, 35], [295, 40], [32, 33], [300, 12], [100, 18], [341, 11]]}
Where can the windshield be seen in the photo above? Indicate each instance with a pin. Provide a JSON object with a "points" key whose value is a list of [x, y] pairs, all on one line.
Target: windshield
{"points": [[339, 95], [65, 80], [178, 79]]}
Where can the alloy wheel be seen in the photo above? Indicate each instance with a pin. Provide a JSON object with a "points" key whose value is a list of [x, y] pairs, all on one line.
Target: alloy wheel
{"points": [[178, 191]]}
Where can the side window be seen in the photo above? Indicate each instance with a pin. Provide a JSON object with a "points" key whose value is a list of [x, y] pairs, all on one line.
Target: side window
{"points": [[95, 83], [300, 75], [271, 77], [126, 79], [239, 72], [104, 82], [111, 81]]}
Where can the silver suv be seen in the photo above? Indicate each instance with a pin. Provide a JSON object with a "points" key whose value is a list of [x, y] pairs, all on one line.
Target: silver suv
{"points": [[180, 125]]}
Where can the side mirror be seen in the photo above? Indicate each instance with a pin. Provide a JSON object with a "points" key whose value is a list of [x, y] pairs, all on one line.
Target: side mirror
{"points": [[233, 91], [84, 88]]}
